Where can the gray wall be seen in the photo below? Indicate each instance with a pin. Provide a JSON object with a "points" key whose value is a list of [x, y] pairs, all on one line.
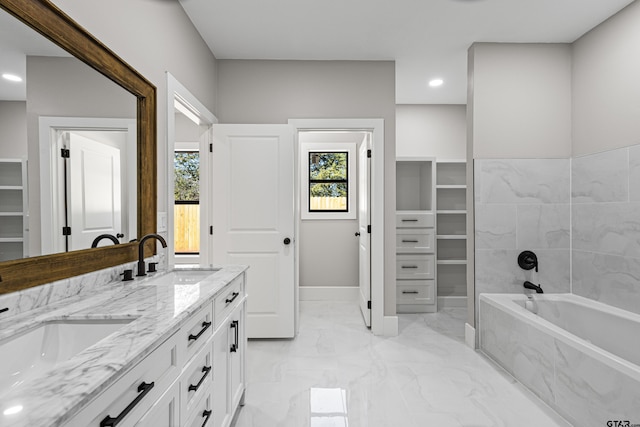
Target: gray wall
{"points": [[276, 91], [154, 37], [431, 131], [606, 87], [521, 100], [13, 129]]}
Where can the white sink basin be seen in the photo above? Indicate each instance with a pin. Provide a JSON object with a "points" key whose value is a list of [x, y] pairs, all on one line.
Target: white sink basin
{"points": [[181, 277], [35, 352]]}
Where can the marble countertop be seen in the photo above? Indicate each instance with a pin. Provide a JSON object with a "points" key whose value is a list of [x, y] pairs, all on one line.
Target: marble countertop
{"points": [[158, 311]]}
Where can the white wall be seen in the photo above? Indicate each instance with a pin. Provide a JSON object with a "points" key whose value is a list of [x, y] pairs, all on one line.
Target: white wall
{"points": [[153, 36], [521, 100], [275, 91], [13, 129], [431, 131], [606, 84]]}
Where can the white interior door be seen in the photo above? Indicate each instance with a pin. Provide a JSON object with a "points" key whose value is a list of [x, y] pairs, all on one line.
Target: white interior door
{"points": [[94, 191], [364, 220], [253, 219]]}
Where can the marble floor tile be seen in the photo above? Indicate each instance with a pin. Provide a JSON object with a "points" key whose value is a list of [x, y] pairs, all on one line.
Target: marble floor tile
{"points": [[335, 373]]}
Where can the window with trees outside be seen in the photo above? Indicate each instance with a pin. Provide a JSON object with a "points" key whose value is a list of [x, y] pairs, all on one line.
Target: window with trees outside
{"points": [[328, 187], [187, 202], [328, 181]]}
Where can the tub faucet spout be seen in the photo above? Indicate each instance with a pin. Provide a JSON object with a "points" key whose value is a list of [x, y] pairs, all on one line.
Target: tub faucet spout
{"points": [[141, 265], [528, 285]]}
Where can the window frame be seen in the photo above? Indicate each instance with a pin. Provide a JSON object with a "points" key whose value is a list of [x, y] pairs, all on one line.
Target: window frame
{"points": [[306, 148]]}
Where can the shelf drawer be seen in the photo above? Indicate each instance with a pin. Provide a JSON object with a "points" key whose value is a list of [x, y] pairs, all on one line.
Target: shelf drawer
{"points": [[415, 241], [415, 266], [415, 219], [415, 292]]}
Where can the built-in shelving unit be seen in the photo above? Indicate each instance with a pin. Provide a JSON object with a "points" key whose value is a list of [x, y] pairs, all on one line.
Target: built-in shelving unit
{"points": [[13, 209], [451, 237], [415, 235]]}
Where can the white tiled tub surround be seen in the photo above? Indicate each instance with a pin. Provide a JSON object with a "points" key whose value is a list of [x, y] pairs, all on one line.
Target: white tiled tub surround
{"points": [[606, 227], [521, 204], [585, 383]]}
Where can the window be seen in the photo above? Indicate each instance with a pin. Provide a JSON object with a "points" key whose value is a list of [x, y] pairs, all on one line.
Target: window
{"points": [[187, 202], [328, 181], [328, 186]]}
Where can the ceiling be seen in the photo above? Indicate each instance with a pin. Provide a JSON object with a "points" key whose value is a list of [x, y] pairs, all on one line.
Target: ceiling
{"points": [[426, 38]]}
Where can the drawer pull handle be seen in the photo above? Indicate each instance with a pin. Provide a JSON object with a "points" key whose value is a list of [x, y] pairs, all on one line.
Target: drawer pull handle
{"points": [[143, 389], [206, 370], [409, 266], [234, 347], [233, 296], [409, 292], [409, 220], [409, 241], [2, 310], [205, 326], [206, 415]]}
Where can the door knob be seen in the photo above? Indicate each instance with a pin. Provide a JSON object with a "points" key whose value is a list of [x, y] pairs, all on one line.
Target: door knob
{"points": [[357, 233], [287, 240]]}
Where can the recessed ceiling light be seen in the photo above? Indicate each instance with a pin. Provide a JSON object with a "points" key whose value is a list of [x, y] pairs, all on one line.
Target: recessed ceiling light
{"points": [[12, 77], [436, 82]]}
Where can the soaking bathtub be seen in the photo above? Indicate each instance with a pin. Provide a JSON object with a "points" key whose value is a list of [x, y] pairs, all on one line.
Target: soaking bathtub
{"points": [[579, 356]]}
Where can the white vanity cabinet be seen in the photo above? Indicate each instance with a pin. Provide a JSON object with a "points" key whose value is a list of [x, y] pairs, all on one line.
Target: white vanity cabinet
{"points": [[197, 375]]}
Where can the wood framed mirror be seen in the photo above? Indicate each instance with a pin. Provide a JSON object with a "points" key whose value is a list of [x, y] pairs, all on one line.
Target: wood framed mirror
{"points": [[48, 20]]}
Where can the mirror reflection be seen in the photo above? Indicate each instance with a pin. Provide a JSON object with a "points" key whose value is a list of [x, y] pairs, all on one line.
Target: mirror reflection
{"points": [[67, 150]]}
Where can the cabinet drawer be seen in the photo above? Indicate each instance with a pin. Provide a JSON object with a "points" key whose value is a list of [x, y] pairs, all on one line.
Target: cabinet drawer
{"points": [[417, 219], [415, 292], [415, 240], [415, 266], [136, 391], [196, 331], [164, 412], [195, 380], [228, 298], [201, 414]]}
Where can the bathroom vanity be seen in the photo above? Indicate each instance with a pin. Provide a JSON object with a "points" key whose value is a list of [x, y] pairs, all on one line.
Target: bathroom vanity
{"points": [[165, 350]]}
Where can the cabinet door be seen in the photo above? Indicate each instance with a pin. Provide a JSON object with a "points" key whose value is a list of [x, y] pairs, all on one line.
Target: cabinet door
{"points": [[237, 352], [220, 390], [165, 412]]}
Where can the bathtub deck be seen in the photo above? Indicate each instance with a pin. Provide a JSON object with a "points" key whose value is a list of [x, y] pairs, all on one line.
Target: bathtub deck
{"points": [[426, 376]]}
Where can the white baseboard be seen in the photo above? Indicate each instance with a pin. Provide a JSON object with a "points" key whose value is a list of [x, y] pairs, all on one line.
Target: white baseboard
{"points": [[390, 326], [470, 335], [329, 293], [450, 302]]}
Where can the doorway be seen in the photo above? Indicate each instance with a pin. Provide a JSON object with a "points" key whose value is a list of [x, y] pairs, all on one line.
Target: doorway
{"points": [[189, 148], [334, 222], [380, 325], [85, 176]]}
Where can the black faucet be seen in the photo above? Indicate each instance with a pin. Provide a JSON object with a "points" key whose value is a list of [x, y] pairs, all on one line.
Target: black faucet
{"points": [[141, 265], [527, 284], [111, 237]]}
